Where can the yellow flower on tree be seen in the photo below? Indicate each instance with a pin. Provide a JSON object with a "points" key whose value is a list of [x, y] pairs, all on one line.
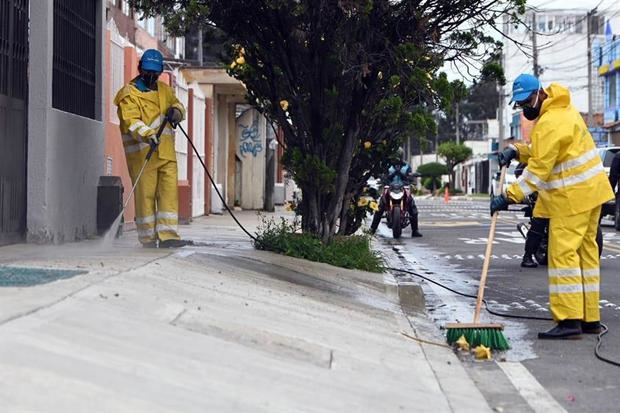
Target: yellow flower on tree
{"points": [[240, 60], [362, 202], [284, 104], [367, 145], [233, 64], [373, 205]]}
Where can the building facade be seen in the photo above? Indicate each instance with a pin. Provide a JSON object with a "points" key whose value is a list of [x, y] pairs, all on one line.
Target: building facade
{"points": [[556, 42], [607, 56]]}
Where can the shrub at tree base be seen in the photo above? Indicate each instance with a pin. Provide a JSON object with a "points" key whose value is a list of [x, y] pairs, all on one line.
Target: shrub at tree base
{"points": [[352, 252]]}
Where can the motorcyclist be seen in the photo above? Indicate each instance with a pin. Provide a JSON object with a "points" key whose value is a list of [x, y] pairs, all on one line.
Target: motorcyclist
{"points": [[399, 173], [538, 227]]}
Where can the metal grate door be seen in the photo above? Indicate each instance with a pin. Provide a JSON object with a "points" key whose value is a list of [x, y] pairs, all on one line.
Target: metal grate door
{"points": [[13, 112]]}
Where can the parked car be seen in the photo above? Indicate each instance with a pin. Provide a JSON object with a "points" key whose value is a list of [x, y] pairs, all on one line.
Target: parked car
{"points": [[612, 208], [508, 180]]}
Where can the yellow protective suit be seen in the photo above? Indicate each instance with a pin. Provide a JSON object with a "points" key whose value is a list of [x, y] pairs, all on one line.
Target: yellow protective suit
{"points": [[156, 196], [565, 168]]}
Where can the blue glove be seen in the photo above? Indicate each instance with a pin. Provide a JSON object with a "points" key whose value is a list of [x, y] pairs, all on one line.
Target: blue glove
{"points": [[499, 203], [507, 155]]}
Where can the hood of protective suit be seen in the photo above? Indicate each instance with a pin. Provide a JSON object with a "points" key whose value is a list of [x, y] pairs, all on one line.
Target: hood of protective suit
{"points": [[558, 97]]}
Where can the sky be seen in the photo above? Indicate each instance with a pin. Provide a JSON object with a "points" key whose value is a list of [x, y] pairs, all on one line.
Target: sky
{"points": [[550, 4]]}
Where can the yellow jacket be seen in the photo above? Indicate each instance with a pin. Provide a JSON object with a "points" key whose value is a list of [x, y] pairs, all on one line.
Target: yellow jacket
{"points": [[141, 114], [563, 164]]}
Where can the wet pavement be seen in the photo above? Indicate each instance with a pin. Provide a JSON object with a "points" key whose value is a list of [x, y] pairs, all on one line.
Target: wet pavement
{"points": [[217, 327], [452, 252]]}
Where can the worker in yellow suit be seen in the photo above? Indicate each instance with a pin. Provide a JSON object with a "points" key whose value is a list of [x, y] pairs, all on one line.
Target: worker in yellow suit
{"points": [[563, 165], [143, 105]]}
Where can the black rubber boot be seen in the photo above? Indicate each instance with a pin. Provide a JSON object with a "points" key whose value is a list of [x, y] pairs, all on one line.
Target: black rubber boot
{"points": [[376, 219], [175, 243], [591, 327], [528, 261], [565, 330], [413, 214]]}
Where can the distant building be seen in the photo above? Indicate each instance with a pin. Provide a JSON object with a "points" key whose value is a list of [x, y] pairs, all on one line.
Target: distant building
{"points": [[562, 55], [607, 58]]}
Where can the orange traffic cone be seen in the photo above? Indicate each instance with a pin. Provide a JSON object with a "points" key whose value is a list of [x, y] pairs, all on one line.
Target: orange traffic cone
{"points": [[446, 196]]}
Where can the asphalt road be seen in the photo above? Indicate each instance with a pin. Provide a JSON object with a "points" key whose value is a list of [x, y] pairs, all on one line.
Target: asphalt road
{"points": [[452, 252]]}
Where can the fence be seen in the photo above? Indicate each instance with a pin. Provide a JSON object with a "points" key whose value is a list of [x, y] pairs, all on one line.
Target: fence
{"points": [[198, 182]]}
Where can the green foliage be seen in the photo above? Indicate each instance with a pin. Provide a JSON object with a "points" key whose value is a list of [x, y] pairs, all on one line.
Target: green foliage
{"points": [[433, 169], [347, 81], [431, 183], [454, 153], [352, 252], [309, 169]]}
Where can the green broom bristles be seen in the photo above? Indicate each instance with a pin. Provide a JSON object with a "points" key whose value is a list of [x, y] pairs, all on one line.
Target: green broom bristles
{"points": [[489, 337]]}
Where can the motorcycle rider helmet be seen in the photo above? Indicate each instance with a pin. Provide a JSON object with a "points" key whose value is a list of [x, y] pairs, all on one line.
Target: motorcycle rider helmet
{"points": [[398, 155]]}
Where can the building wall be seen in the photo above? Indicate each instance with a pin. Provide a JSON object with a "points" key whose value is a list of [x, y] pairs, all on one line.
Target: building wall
{"points": [[64, 150], [250, 150], [117, 75]]}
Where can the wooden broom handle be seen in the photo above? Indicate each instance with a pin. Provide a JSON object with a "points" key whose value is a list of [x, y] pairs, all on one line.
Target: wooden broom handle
{"points": [[487, 254]]}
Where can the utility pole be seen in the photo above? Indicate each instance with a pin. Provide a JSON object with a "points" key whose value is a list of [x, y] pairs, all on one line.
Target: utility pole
{"points": [[536, 68], [270, 171], [458, 132], [589, 36], [200, 47]]}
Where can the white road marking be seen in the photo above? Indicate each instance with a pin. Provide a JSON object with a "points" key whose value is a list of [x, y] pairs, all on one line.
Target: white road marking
{"points": [[530, 389]]}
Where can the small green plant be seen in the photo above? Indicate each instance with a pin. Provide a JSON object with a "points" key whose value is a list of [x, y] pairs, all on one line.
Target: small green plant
{"points": [[352, 252]]}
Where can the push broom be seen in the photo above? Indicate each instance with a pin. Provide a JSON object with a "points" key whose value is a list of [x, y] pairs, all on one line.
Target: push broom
{"points": [[477, 333]]}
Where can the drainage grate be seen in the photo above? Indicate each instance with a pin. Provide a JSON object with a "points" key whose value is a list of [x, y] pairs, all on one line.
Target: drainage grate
{"points": [[28, 277]]}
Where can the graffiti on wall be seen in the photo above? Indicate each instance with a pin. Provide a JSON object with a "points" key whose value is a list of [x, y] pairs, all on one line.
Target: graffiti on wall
{"points": [[250, 140]]}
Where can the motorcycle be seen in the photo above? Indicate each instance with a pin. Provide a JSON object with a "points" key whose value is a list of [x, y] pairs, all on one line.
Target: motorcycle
{"points": [[540, 254], [396, 197], [540, 251]]}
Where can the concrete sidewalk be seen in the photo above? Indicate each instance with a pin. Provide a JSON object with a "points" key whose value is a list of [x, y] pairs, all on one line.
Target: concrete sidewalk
{"points": [[216, 328]]}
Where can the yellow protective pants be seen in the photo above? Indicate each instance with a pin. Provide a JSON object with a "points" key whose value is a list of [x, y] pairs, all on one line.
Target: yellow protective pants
{"points": [[574, 271], [156, 199]]}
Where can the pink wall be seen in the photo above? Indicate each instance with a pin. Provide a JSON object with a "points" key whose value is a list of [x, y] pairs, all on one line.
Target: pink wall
{"points": [[113, 142]]}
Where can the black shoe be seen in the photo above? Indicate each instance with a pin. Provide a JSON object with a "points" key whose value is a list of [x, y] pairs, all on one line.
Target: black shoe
{"points": [[565, 330], [175, 243], [152, 244], [528, 261], [591, 327], [415, 234]]}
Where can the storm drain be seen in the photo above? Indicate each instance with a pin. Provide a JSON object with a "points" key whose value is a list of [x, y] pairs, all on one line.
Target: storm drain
{"points": [[28, 277]]}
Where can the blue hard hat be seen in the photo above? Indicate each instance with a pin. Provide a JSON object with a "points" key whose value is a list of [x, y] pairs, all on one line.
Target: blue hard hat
{"points": [[523, 87], [152, 60]]}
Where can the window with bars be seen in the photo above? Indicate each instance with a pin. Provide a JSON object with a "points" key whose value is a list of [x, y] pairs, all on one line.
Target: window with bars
{"points": [[13, 48], [75, 75]]}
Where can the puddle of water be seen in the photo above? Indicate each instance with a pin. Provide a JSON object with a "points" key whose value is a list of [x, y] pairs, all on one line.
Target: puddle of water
{"points": [[444, 306]]}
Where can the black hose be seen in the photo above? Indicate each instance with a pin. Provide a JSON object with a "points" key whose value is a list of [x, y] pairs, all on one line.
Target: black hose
{"points": [[215, 186], [599, 339], [599, 342], [486, 305]]}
